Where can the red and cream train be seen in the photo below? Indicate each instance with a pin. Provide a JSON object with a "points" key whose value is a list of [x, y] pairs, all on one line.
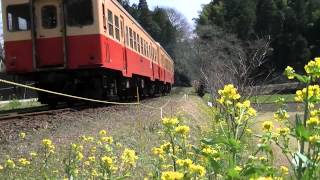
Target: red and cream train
{"points": [[89, 48]]}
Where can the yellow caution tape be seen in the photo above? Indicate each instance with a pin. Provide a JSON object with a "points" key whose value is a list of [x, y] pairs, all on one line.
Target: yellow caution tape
{"points": [[65, 95]]}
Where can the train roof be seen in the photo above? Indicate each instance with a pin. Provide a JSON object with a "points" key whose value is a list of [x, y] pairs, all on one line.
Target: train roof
{"points": [[140, 27]]}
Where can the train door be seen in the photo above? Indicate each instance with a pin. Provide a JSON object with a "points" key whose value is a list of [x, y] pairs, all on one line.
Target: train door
{"points": [[49, 43]]}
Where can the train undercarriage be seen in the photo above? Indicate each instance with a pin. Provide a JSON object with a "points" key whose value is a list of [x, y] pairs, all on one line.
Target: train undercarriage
{"points": [[95, 84]]}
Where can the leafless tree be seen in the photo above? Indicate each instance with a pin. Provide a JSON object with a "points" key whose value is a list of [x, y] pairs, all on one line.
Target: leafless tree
{"points": [[224, 59], [180, 22]]}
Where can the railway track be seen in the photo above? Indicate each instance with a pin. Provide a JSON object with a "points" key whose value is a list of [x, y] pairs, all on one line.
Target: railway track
{"points": [[27, 112]]}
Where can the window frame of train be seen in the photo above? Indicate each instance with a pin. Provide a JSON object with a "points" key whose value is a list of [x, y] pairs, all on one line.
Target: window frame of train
{"points": [[117, 27], [79, 12], [48, 22], [110, 23], [14, 24]]}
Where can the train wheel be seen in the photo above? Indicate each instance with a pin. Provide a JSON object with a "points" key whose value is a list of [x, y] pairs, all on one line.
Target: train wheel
{"points": [[152, 90], [52, 104], [168, 88]]}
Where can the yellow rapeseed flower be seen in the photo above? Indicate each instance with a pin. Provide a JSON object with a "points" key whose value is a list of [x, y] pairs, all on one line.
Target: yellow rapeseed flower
{"points": [[252, 157], [281, 115], [10, 164], [289, 72], [267, 126], [209, 151], [87, 163], [170, 122], [103, 133], [246, 104], [108, 140], [314, 139], [93, 149], [129, 157], [48, 145], [94, 173], [197, 170], [284, 170], [313, 93], [252, 112], [24, 162], [118, 145], [262, 158], [313, 121], [313, 68], [284, 131], [90, 139], [228, 94], [22, 135], [79, 156], [46, 142], [182, 130], [166, 147], [238, 168], [248, 130], [186, 163], [33, 154], [170, 175], [107, 162], [92, 159], [264, 178], [158, 152]]}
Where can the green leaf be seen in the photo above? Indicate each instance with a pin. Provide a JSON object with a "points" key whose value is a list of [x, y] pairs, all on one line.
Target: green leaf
{"points": [[303, 78], [302, 133], [233, 174], [208, 141]]}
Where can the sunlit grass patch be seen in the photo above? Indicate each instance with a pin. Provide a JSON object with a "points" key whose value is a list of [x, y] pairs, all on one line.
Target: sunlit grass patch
{"points": [[263, 99]]}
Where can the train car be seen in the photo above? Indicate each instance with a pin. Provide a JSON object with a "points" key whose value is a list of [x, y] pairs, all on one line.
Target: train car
{"points": [[88, 48]]}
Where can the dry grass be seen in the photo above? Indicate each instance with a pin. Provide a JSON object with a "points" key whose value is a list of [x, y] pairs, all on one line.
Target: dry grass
{"points": [[134, 126]]}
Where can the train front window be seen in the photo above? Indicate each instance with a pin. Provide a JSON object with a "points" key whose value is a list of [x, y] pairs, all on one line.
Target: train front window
{"points": [[79, 12], [18, 17], [49, 17]]}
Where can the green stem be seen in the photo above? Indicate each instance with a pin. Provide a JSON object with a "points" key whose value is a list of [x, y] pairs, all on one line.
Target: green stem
{"points": [[302, 143]]}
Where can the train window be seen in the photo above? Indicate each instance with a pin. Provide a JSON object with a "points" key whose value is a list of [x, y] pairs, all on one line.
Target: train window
{"points": [[79, 12], [131, 38], [142, 49], [18, 17], [116, 23], [135, 40], [127, 35], [49, 17], [152, 54], [104, 17], [110, 22], [147, 49], [138, 42], [121, 27]]}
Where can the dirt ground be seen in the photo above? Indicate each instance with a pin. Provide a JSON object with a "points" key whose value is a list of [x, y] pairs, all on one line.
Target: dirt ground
{"points": [[134, 126], [279, 158]]}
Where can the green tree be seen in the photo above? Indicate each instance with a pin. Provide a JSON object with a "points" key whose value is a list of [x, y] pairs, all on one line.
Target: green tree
{"points": [[266, 16], [145, 16]]}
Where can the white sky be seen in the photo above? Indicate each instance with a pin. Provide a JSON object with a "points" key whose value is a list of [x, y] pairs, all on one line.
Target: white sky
{"points": [[189, 8]]}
